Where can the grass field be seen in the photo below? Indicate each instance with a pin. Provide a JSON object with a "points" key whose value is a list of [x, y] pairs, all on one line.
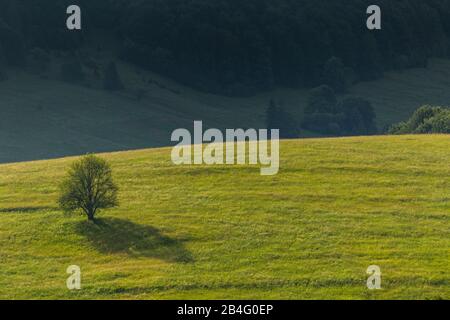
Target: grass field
{"points": [[336, 207], [41, 118]]}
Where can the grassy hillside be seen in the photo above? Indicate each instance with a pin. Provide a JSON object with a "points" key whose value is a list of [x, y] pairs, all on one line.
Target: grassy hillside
{"points": [[33, 110], [337, 206]]}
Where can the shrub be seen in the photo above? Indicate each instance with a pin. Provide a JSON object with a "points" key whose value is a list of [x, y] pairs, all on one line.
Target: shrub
{"points": [[88, 187], [426, 119], [421, 115], [439, 123], [398, 128]]}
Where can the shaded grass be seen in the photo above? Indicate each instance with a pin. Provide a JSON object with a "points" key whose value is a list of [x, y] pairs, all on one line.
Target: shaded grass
{"points": [[112, 235]]}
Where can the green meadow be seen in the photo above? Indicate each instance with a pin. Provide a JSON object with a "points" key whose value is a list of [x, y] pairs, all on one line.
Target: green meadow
{"points": [[336, 207]]}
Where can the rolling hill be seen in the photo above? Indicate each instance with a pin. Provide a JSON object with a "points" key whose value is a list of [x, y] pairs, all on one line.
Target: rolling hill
{"points": [[336, 207], [41, 118]]}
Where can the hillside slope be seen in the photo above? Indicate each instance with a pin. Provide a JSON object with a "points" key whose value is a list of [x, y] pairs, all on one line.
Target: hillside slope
{"points": [[336, 207], [41, 119]]}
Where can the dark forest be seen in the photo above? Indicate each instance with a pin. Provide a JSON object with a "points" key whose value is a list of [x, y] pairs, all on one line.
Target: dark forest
{"points": [[238, 47]]}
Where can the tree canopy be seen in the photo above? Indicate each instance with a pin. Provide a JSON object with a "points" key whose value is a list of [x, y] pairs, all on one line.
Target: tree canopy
{"points": [[88, 187]]}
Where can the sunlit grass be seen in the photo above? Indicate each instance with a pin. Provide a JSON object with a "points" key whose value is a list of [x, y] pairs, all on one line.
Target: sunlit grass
{"points": [[336, 207]]}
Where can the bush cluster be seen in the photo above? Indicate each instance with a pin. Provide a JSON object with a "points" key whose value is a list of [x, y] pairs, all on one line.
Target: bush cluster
{"points": [[426, 119]]}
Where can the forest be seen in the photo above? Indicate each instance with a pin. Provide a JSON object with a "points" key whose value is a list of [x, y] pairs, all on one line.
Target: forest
{"points": [[236, 47]]}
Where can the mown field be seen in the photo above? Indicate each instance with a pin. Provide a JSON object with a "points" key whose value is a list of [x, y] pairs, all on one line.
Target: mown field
{"points": [[225, 232]]}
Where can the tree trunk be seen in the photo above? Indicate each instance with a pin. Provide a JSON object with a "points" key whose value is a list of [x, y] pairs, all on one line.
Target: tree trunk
{"points": [[91, 215]]}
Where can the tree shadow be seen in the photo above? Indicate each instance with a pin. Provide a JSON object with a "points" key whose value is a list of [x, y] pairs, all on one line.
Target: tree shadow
{"points": [[111, 235]]}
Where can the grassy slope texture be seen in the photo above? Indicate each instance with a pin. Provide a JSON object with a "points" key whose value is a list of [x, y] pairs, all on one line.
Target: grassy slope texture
{"points": [[337, 206]]}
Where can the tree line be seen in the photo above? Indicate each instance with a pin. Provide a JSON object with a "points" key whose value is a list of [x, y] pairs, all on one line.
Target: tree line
{"points": [[238, 47]]}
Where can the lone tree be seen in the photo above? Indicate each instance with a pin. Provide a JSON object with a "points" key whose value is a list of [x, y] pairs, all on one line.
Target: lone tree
{"points": [[88, 187]]}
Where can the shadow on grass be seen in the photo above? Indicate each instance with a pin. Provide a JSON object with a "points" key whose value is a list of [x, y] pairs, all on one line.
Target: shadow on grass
{"points": [[112, 235], [25, 209]]}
